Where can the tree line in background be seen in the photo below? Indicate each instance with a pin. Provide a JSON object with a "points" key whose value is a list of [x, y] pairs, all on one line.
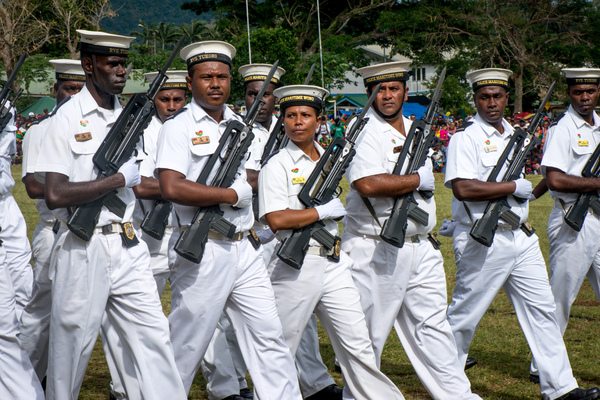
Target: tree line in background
{"points": [[533, 38]]}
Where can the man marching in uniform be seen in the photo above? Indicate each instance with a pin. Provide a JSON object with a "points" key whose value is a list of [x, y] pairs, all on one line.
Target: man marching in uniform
{"points": [[314, 378], [35, 320], [111, 272], [19, 380], [321, 286], [231, 276], [570, 142], [401, 287], [514, 261]]}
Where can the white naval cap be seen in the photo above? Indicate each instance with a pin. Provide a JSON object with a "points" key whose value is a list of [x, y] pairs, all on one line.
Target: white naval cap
{"points": [[582, 76], [105, 44], [301, 95], [211, 50], [386, 72], [176, 79], [489, 77], [259, 72], [68, 70]]}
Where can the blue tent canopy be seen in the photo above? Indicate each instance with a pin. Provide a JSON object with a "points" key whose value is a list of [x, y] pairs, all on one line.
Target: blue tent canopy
{"points": [[407, 110]]}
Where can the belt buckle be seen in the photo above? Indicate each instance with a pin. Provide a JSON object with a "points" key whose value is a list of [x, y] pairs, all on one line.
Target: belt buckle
{"points": [[106, 229]]}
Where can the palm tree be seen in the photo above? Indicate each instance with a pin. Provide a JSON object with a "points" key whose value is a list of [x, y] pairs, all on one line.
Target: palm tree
{"points": [[148, 32], [196, 31], [167, 33]]}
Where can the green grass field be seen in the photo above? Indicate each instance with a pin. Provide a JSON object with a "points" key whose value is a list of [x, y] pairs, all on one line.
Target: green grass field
{"points": [[499, 344]]}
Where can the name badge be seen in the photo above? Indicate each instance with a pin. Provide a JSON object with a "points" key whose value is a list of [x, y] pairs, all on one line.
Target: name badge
{"points": [[397, 149], [490, 149], [583, 143], [298, 180], [83, 137], [200, 140]]}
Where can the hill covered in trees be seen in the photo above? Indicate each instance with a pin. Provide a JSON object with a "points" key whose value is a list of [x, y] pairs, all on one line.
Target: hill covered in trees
{"points": [[131, 12]]}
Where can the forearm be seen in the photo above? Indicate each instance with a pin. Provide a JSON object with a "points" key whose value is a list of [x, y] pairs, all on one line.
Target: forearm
{"points": [[291, 219], [149, 189], [540, 189], [252, 177], [35, 189], [476, 190], [174, 187], [560, 182], [386, 185], [60, 193]]}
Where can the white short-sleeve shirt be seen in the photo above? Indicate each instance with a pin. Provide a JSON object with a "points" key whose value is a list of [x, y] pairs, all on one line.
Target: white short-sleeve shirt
{"points": [[71, 139], [261, 135], [147, 159], [8, 147], [32, 146], [377, 149], [569, 145], [280, 182], [182, 149], [472, 154]]}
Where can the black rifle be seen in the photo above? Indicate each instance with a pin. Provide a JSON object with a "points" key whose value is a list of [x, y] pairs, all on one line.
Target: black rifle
{"points": [[520, 146], [233, 145], [117, 148], [319, 188], [6, 103], [576, 213], [416, 147], [277, 141]]}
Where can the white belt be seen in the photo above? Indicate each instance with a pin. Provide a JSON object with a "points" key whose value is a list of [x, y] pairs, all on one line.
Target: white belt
{"points": [[115, 227], [216, 235], [415, 238], [5, 195], [47, 224], [319, 251], [565, 205]]}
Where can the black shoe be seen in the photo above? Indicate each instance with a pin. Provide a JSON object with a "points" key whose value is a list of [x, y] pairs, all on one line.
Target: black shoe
{"points": [[112, 396], [331, 392], [581, 394], [534, 379], [246, 393], [233, 397], [337, 369], [470, 363]]}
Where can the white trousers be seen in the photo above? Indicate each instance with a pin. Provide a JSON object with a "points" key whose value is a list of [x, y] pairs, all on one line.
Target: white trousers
{"points": [[18, 380], [327, 289], [17, 249], [514, 262], [103, 277], [573, 257], [35, 319], [231, 277], [406, 288]]}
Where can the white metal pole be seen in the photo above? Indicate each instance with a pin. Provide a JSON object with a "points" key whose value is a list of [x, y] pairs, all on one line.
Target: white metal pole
{"points": [[320, 44], [248, 26]]}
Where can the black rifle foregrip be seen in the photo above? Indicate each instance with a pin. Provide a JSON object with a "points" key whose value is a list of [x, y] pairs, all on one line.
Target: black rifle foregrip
{"points": [[84, 219], [293, 249], [156, 220], [575, 216]]}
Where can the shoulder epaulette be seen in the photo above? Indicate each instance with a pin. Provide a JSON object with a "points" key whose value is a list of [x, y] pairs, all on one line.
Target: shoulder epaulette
{"points": [[40, 119], [60, 105], [268, 158], [182, 109], [558, 119], [464, 126], [238, 114]]}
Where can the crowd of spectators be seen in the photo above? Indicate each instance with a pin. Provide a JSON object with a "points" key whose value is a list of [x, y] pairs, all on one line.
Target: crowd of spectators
{"points": [[23, 125]]}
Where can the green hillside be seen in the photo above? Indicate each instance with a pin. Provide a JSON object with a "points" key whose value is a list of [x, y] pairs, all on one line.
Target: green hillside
{"points": [[131, 12]]}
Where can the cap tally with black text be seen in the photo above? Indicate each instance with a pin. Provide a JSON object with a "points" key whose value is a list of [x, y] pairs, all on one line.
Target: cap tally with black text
{"points": [[489, 77], [68, 70], [210, 50], [259, 72], [582, 76], [176, 80], [386, 72], [301, 95], [104, 44]]}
